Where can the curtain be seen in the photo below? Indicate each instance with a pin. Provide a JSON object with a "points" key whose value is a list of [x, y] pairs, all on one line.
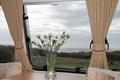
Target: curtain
{"points": [[13, 12], [100, 14], [103, 76]]}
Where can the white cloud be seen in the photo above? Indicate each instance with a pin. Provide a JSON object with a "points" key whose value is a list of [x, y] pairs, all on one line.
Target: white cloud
{"points": [[72, 18]]}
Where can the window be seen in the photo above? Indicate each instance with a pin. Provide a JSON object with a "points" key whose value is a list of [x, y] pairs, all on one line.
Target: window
{"points": [[6, 43], [114, 40], [71, 17]]}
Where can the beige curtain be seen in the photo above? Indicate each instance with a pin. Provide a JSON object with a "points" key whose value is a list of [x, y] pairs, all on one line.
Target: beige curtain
{"points": [[100, 14], [13, 12], [107, 77], [103, 76]]}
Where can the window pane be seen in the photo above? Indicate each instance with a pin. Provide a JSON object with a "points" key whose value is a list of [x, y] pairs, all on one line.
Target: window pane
{"points": [[73, 18], [114, 41], [69, 17], [6, 43]]}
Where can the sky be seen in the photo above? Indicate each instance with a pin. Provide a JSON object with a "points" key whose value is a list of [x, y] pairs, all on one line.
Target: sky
{"points": [[71, 17]]}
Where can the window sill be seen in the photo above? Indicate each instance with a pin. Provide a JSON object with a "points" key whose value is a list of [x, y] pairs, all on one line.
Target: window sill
{"points": [[41, 75]]}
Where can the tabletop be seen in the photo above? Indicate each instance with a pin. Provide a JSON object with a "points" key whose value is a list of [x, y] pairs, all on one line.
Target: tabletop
{"points": [[41, 76]]}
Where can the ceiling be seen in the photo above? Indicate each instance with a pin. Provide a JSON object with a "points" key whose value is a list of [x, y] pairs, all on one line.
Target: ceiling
{"points": [[29, 2]]}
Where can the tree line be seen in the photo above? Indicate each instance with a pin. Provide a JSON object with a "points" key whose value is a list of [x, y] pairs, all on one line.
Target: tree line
{"points": [[7, 54], [111, 56]]}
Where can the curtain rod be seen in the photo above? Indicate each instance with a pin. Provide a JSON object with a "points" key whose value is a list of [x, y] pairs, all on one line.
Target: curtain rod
{"points": [[49, 2]]}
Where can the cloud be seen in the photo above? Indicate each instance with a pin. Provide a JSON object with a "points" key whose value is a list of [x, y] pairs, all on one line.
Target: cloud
{"points": [[5, 38], [72, 18], [114, 41], [117, 13], [73, 15]]}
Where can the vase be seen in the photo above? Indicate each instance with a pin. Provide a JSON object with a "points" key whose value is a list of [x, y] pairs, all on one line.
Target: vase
{"points": [[51, 59]]}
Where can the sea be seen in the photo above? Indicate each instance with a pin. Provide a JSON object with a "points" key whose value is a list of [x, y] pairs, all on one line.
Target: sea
{"points": [[72, 49]]}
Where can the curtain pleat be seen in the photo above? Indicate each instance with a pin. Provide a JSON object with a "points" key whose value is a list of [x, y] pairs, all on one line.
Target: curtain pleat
{"points": [[13, 11], [100, 14]]}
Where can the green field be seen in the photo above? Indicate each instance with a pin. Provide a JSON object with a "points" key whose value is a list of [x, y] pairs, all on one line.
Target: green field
{"points": [[66, 61], [63, 58]]}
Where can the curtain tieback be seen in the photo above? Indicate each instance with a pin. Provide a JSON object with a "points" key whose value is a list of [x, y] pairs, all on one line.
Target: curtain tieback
{"points": [[99, 47], [98, 50], [19, 47]]}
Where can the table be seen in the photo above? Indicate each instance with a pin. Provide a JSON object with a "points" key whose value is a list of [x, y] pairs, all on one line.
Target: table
{"points": [[41, 76]]}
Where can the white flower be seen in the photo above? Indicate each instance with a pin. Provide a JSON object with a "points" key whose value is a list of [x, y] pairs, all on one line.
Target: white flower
{"points": [[60, 42], [45, 42], [50, 34], [53, 38], [51, 42], [38, 35]]}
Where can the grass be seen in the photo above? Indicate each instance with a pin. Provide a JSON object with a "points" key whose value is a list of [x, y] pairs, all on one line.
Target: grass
{"points": [[66, 61]]}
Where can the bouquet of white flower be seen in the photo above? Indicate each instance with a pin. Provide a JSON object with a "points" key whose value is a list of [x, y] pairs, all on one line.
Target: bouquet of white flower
{"points": [[50, 42], [50, 45]]}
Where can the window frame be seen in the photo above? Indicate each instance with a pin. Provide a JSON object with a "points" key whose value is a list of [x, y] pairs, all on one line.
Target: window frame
{"points": [[28, 46], [79, 70]]}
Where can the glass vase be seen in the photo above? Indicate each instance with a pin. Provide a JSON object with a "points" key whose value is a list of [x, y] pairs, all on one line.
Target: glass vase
{"points": [[51, 59]]}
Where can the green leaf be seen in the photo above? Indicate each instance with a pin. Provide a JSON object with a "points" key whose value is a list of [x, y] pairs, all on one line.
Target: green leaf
{"points": [[38, 36], [63, 32], [45, 36], [67, 36]]}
